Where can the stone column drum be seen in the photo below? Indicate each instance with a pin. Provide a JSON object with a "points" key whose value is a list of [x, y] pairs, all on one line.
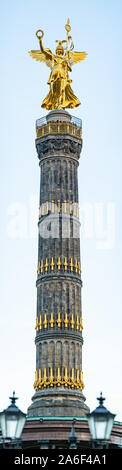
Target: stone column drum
{"points": [[58, 377]]}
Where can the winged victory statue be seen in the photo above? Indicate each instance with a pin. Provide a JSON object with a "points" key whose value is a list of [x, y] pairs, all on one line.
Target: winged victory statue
{"points": [[60, 94]]}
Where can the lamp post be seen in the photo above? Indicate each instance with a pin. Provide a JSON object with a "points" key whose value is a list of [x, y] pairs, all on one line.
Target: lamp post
{"points": [[12, 421], [73, 441], [100, 424]]}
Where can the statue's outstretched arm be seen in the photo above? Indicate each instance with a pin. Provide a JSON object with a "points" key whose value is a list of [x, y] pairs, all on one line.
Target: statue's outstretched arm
{"points": [[40, 39], [43, 55], [46, 52]]}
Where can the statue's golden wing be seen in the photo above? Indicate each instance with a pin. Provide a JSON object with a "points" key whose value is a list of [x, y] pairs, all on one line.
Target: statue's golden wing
{"points": [[45, 56], [74, 57]]}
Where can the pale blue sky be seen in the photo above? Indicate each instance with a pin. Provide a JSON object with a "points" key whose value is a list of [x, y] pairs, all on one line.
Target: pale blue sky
{"points": [[97, 29]]}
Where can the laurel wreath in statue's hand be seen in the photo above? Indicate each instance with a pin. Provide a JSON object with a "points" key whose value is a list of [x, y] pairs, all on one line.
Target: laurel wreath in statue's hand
{"points": [[39, 31]]}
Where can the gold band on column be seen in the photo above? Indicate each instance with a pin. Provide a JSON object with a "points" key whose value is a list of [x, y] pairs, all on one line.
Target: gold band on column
{"points": [[46, 377]]}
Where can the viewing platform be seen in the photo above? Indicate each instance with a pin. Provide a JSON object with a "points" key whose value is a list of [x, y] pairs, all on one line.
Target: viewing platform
{"points": [[59, 122]]}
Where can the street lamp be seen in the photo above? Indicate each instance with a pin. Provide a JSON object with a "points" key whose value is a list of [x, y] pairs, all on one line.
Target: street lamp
{"points": [[12, 420], [72, 438], [100, 424]]}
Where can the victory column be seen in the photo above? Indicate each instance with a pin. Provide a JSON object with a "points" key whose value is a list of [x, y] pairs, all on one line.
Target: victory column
{"points": [[59, 376]]}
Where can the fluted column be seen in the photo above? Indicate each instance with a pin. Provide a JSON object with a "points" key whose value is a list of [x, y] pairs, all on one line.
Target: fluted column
{"points": [[59, 310]]}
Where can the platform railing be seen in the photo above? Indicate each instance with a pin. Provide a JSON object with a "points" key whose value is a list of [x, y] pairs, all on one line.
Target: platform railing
{"points": [[58, 128]]}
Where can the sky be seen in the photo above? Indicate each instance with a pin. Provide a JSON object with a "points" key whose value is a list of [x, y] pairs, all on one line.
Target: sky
{"points": [[96, 29]]}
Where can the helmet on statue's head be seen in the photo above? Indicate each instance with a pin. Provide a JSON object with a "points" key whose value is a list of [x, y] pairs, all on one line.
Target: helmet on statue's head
{"points": [[59, 48]]}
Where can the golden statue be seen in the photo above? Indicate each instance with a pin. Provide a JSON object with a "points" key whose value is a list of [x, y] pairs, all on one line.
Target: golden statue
{"points": [[60, 95]]}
